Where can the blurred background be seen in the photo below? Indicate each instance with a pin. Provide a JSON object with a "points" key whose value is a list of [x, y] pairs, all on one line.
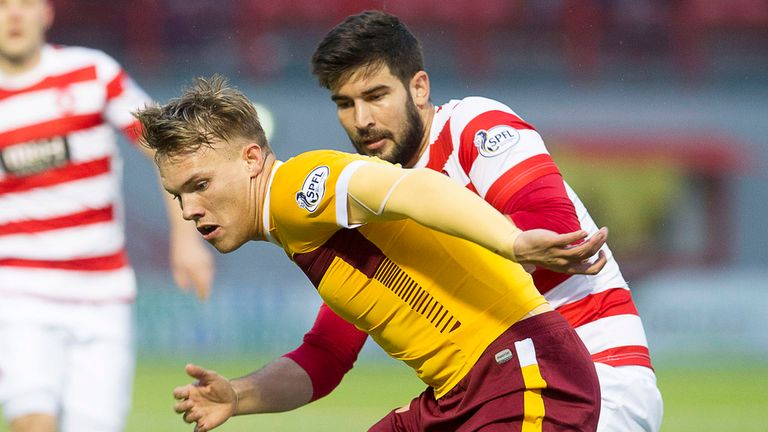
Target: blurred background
{"points": [[656, 111]]}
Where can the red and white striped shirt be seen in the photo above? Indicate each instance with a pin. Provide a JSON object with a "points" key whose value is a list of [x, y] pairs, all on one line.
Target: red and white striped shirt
{"points": [[61, 217], [485, 146]]}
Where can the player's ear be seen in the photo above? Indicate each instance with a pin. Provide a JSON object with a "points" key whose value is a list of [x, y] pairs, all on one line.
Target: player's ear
{"points": [[253, 155], [419, 87]]}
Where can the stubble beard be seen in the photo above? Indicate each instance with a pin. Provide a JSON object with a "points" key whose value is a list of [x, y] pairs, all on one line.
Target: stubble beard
{"points": [[405, 147]]}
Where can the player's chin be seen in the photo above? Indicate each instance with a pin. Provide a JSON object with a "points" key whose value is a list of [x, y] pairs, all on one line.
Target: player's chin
{"points": [[224, 245]]}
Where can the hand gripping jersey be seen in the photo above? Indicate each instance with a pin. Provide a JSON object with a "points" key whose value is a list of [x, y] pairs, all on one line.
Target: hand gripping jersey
{"points": [[61, 227], [431, 300], [483, 145]]}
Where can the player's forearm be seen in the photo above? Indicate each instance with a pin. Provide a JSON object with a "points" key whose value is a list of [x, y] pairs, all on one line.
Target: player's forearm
{"points": [[433, 200], [281, 385]]}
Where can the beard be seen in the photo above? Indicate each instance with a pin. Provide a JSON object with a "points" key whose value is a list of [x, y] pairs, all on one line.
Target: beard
{"points": [[405, 146]]}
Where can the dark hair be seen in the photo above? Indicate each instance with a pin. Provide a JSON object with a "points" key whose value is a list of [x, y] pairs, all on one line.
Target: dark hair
{"points": [[208, 110], [371, 39]]}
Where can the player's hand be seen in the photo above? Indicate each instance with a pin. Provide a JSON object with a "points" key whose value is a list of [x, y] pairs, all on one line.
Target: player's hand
{"points": [[191, 263], [209, 402], [557, 251]]}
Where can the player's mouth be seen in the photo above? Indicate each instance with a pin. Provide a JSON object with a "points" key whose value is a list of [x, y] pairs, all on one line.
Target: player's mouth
{"points": [[372, 145], [208, 231]]}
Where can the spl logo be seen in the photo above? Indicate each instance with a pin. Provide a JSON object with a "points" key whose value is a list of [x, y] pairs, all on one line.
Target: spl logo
{"points": [[313, 189], [496, 140]]}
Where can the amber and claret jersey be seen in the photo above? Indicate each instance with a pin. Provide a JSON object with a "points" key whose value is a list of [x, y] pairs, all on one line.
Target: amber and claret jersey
{"points": [[429, 299], [61, 224]]}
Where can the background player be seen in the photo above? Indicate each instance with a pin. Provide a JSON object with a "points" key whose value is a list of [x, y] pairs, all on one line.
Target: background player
{"points": [[66, 287], [491, 350], [374, 68]]}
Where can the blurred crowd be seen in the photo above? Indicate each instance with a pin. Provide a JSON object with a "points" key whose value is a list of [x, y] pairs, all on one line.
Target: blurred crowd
{"points": [[584, 38]]}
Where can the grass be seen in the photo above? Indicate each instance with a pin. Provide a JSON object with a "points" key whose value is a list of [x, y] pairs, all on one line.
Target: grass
{"points": [[727, 396]]}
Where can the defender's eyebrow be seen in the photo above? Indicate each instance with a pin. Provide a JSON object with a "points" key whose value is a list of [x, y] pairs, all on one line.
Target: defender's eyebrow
{"points": [[337, 97]]}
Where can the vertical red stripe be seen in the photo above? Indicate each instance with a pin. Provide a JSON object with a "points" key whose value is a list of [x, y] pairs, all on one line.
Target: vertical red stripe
{"points": [[441, 149]]}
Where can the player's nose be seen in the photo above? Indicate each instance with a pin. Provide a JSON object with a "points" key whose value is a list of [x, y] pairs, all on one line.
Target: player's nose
{"points": [[363, 116]]}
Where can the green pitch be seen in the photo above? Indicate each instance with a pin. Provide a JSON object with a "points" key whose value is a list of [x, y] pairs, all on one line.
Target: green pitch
{"points": [[729, 396]]}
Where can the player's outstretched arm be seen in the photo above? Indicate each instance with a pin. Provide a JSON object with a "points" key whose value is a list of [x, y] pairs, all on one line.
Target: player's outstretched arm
{"points": [[386, 192], [281, 385]]}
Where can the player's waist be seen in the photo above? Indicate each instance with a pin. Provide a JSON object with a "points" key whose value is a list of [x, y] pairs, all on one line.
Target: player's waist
{"points": [[68, 286]]}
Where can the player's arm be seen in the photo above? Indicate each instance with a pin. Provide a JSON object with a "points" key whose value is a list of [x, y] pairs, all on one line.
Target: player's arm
{"points": [[279, 386], [308, 373], [328, 351], [380, 191]]}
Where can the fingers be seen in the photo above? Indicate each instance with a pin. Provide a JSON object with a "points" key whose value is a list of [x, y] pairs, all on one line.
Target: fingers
{"points": [[591, 268], [192, 416], [567, 239], [589, 247], [180, 393], [183, 406]]}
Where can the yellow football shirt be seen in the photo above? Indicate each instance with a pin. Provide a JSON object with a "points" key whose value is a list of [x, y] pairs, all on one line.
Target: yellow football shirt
{"points": [[429, 299]]}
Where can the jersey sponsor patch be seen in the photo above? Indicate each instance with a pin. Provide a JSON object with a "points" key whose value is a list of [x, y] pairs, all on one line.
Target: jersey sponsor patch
{"points": [[496, 140], [313, 189], [35, 156]]}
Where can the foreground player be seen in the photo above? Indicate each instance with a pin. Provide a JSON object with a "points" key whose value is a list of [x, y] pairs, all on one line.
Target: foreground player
{"points": [[373, 67], [66, 287], [490, 348]]}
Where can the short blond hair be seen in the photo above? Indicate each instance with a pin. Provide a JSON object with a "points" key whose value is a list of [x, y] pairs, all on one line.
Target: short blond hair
{"points": [[209, 110]]}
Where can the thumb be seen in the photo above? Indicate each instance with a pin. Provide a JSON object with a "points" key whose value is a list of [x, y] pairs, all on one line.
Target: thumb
{"points": [[198, 372]]}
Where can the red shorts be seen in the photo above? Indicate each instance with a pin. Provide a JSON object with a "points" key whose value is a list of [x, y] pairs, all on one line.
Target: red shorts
{"points": [[537, 376]]}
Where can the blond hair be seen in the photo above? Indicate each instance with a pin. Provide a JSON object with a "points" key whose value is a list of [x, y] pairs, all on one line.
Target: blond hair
{"points": [[207, 111]]}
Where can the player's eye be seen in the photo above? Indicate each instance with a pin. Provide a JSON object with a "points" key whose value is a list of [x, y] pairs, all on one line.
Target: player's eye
{"points": [[343, 104], [201, 186], [375, 97]]}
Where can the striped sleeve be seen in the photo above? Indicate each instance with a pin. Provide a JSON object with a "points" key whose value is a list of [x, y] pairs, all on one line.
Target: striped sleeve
{"points": [[498, 151], [123, 97]]}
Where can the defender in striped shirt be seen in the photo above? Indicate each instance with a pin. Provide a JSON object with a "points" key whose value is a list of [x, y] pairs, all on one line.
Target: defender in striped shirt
{"points": [[373, 67], [66, 286]]}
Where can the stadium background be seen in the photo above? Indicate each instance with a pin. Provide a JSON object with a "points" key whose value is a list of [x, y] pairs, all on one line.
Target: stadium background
{"points": [[655, 109]]}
